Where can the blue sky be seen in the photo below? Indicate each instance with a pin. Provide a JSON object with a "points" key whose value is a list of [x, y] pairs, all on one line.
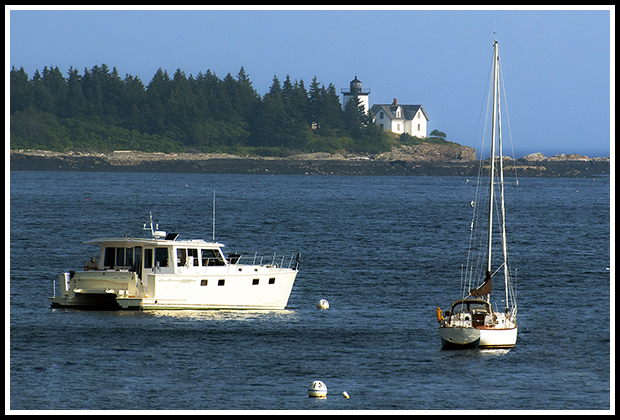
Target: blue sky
{"points": [[556, 63]]}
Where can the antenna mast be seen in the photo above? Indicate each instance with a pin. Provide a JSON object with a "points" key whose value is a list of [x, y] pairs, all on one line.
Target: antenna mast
{"points": [[213, 214]]}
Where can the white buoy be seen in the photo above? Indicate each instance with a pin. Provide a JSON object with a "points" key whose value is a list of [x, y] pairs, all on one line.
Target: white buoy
{"points": [[345, 394], [323, 304], [317, 389]]}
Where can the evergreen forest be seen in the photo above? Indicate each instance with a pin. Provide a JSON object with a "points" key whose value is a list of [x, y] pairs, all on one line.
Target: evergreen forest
{"points": [[99, 111]]}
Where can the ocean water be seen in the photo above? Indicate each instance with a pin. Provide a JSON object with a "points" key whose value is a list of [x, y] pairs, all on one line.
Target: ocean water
{"points": [[384, 251]]}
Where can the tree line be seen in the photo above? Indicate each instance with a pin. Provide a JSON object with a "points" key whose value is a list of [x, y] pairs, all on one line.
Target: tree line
{"points": [[100, 111]]}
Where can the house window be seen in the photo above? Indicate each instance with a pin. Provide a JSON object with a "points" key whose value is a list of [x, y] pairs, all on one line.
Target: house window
{"points": [[381, 115], [397, 127], [418, 127], [381, 125]]}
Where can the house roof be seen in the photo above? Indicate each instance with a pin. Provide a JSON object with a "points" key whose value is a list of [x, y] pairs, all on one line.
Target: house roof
{"points": [[409, 111]]}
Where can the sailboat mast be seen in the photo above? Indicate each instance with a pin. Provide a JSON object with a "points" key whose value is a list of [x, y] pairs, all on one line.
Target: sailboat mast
{"points": [[493, 137]]}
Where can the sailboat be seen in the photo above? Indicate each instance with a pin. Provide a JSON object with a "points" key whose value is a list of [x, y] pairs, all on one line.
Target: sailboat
{"points": [[473, 321]]}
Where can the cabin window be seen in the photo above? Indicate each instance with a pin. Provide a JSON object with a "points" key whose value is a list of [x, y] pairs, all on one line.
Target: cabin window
{"points": [[475, 306], [187, 256], [108, 257], [204, 282], [211, 257], [148, 258], [272, 280], [137, 258], [161, 257], [181, 257], [193, 252], [120, 257], [128, 257], [255, 282], [221, 282]]}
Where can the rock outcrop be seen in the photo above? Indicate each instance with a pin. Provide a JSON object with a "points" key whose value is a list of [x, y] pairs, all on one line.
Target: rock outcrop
{"points": [[422, 160], [429, 153]]}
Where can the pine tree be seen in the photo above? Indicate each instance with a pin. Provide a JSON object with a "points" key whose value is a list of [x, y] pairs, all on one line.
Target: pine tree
{"points": [[93, 92], [42, 98], [157, 93], [57, 88], [133, 103], [315, 116], [354, 117], [76, 102], [21, 90], [333, 108]]}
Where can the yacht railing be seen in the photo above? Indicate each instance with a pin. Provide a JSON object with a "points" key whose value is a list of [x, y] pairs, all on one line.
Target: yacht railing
{"points": [[276, 260]]}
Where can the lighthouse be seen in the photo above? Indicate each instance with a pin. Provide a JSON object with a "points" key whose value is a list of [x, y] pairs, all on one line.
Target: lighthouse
{"points": [[357, 93]]}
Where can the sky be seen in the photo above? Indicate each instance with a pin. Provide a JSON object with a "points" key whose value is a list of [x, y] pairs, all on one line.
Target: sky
{"points": [[557, 63]]}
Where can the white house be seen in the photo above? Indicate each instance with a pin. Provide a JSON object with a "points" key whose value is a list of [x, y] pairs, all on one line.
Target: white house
{"points": [[410, 119]]}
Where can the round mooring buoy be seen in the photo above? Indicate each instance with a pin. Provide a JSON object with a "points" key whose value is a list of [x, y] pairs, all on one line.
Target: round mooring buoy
{"points": [[323, 304], [317, 389]]}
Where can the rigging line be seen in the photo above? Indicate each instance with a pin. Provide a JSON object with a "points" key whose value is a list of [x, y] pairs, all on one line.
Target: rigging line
{"points": [[516, 175], [498, 268], [485, 97], [479, 187], [507, 114]]}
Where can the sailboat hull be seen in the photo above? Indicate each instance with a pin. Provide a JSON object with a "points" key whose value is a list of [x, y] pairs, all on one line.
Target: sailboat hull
{"points": [[498, 338], [459, 337]]}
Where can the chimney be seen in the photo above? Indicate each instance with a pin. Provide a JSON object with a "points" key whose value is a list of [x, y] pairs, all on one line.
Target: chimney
{"points": [[395, 103]]}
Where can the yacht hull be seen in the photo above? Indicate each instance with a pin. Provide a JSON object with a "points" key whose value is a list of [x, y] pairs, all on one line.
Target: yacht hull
{"points": [[267, 289]]}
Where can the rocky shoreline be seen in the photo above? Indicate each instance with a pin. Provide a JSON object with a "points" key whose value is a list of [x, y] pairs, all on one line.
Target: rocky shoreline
{"points": [[406, 161]]}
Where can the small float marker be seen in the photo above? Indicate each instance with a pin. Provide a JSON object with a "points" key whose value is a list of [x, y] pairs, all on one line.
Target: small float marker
{"points": [[317, 389], [323, 304]]}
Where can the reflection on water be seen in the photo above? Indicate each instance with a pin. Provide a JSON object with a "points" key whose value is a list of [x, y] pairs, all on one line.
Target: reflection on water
{"points": [[226, 315], [494, 352], [473, 353], [276, 315]]}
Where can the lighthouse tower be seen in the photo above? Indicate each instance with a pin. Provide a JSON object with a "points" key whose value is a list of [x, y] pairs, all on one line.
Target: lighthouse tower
{"points": [[357, 93]]}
